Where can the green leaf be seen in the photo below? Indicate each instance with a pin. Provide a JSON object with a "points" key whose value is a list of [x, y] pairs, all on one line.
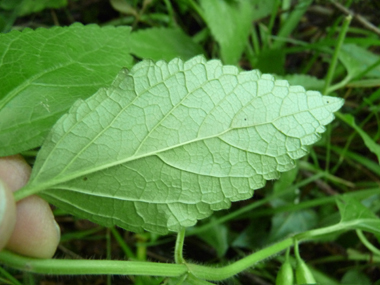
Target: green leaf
{"points": [[43, 72], [357, 60], [361, 159], [230, 24], [124, 7], [306, 81], [351, 209], [169, 143], [355, 215], [291, 22], [163, 43], [271, 61], [262, 8], [24, 7], [11, 9], [253, 236], [217, 237], [284, 224], [368, 141], [354, 276]]}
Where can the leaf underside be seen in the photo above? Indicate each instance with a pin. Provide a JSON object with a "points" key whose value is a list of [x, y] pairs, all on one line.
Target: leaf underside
{"points": [[169, 143]]}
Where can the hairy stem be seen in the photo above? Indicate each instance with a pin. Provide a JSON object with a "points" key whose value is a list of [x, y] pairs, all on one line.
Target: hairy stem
{"points": [[102, 267], [178, 251], [92, 267], [221, 273]]}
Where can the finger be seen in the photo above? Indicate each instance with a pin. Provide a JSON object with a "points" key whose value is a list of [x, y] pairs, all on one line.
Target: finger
{"points": [[7, 214], [36, 233]]}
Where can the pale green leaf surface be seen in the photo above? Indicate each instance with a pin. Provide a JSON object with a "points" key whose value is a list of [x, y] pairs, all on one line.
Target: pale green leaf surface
{"points": [[163, 44], [43, 72], [169, 143], [230, 24]]}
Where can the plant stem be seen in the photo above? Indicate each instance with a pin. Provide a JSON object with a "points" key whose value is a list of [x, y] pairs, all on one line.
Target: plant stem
{"points": [[296, 250], [367, 244], [141, 247], [221, 273], [92, 267], [178, 251], [102, 267], [334, 60]]}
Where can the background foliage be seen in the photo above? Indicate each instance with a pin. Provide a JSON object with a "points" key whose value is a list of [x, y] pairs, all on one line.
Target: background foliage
{"points": [[294, 40]]}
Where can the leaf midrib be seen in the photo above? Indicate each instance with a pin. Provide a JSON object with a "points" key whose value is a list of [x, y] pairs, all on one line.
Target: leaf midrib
{"points": [[74, 175]]}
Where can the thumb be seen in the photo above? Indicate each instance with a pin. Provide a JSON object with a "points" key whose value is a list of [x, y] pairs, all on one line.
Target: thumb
{"points": [[35, 234]]}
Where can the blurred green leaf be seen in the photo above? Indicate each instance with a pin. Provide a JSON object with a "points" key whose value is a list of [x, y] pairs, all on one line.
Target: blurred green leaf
{"points": [[364, 161], [230, 23], [44, 72], [368, 141], [285, 181], [123, 6], [254, 235], [357, 59], [25, 7], [271, 61], [355, 215], [367, 83], [217, 237], [322, 278], [163, 43], [355, 276], [306, 81], [291, 22], [262, 8], [351, 209], [284, 224]]}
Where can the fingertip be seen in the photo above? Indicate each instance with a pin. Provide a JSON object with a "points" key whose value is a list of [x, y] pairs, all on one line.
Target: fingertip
{"points": [[36, 233]]}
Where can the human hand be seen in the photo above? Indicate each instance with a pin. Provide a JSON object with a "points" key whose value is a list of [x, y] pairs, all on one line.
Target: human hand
{"points": [[28, 227]]}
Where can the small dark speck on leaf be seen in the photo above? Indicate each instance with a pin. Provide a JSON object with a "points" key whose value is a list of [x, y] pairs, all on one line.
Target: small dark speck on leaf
{"points": [[85, 178], [245, 119]]}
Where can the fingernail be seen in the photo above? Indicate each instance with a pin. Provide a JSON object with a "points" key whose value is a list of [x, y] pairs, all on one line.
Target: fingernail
{"points": [[3, 199], [7, 214], [57, 228]]}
